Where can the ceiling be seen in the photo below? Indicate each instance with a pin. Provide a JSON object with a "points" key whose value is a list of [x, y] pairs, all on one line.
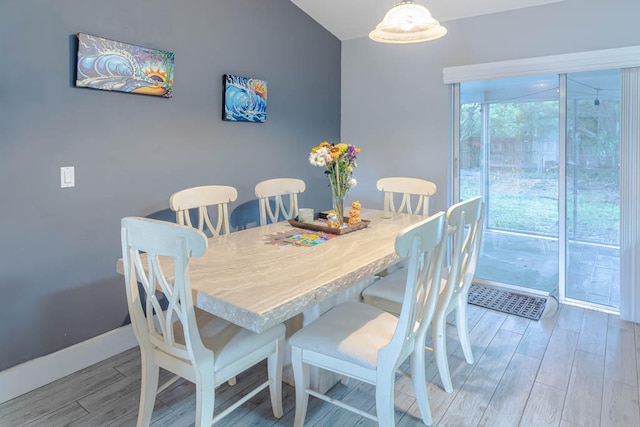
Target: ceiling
{"points": [[351, 19]]}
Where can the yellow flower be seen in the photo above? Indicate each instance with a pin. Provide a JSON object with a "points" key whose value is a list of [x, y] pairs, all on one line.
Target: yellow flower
{"points": [[342, 146], [335, 152], [322, 144]]}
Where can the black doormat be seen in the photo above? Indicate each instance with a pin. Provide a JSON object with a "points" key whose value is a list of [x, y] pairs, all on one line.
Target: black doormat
{"points": [[506, 301]]}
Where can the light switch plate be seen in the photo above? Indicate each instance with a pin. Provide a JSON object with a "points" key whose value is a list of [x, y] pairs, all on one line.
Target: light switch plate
{"points": [[67, 177]]}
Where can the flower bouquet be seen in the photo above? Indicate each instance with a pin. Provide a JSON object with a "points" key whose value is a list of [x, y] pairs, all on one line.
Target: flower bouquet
{"points": [[339, 160]]}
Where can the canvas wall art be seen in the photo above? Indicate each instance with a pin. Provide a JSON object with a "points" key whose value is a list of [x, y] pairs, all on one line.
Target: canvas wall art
{"points": [[245, 99], [115, 66]]}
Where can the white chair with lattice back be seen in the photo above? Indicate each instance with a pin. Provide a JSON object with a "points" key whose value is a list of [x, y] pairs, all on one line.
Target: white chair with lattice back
{"points": [[274, 204], [465, 225], [466, 221], [216, 197], [182, 339], [363, 342], [404, 194]]}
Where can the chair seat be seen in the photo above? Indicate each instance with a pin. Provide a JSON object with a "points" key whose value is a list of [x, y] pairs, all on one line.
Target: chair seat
{"points": [[351, 331], [229, 342], [388, 292]]}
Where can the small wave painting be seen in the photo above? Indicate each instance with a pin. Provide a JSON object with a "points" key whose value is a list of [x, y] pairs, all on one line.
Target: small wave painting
{"points": [[245, 99], [115, 66]]}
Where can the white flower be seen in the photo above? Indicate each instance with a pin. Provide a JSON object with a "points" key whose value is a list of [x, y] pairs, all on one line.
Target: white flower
{"points": [[352, 182], [319, 158]]}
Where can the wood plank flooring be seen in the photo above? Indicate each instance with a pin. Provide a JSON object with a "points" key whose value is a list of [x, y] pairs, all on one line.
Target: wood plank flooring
{"points": [[576, 368]]}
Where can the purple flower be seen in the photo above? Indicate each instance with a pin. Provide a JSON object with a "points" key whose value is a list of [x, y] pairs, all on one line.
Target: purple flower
{"points": [[351, 152]]}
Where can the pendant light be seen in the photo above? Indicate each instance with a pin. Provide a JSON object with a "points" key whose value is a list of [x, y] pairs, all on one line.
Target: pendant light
{"points": [[407, 22]]}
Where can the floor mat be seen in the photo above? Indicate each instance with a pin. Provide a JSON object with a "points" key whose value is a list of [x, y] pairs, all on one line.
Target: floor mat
{"points": [[526, 306]]}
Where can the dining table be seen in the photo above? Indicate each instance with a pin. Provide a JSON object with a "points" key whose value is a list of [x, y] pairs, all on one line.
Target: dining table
{"points": [[256, 279]]}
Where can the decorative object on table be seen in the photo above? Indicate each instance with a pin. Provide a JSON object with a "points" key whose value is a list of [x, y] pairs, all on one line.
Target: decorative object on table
{"points": [[332, 219], [298, 238], [115, 66], [322, 223], [245, 99], [339, 160], [307, 239], [305, 215], [354, 213]]}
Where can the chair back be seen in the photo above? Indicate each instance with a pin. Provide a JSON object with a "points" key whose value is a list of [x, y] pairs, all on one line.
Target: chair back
{"points": [[412, 193], [423, 245], [153, 326], [271, 197], [200, 199], [465, 220]]}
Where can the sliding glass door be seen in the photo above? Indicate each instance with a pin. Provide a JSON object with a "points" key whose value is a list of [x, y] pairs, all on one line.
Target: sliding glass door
{"points": [[550, 184], [509, 154], [593, 187]]}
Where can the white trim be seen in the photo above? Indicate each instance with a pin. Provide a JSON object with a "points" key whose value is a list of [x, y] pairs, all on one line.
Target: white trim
{"points": [[629, 199], [516, 288], [35, 373], [623, 57], [562, 190]]}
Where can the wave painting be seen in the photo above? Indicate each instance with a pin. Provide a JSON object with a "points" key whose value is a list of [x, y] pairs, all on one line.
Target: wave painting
{"points": [[245, 99], [111, 65]]}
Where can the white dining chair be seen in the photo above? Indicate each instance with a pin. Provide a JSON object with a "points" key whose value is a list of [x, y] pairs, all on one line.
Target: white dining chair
{"points": [[360, 341], [182, 339], [465, 224], [204, 199], [466, 219], [405, 194], [271, 195]]}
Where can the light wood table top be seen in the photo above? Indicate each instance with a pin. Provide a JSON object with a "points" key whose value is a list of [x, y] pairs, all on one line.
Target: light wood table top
{"points": [[246, 279]]}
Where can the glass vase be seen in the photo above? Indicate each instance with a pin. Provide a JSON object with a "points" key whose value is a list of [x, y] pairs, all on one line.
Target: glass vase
{"points": [[338, 206]]}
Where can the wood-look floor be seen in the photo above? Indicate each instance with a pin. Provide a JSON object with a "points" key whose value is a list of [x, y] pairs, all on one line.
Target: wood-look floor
{"points": [[576, 368]]}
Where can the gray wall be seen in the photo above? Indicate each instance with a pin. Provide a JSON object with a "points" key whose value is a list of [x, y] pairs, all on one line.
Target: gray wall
{"points": [[395, 105], [58, 247]]}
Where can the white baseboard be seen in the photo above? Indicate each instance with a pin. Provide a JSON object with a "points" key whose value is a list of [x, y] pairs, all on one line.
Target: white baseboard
{"points": [[35, 373]]}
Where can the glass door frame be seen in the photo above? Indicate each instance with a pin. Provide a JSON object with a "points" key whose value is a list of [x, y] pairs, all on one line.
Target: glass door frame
{"points": [[454, 184], [626, 58]]}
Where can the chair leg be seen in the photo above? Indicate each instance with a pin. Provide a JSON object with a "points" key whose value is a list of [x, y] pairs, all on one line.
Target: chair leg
{"points": [[205, 397], [385, 386], [439, 336], [149, 386], [419, 378], [274, 368], [463, 330], [301, 379]]}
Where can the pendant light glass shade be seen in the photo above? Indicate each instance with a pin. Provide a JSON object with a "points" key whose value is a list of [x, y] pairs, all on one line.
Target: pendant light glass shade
{"points": [[407, 22]]}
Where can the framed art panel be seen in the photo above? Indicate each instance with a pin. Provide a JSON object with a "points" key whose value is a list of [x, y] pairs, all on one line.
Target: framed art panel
{"points": [[115, 66], [245, 99]]}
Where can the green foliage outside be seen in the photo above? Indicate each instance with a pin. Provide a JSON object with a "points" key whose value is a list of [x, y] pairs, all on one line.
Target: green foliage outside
{"points": [[522, 183]]}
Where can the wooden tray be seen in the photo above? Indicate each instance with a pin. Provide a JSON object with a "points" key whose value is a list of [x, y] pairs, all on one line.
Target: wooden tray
{"points": [[320, 224]]}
